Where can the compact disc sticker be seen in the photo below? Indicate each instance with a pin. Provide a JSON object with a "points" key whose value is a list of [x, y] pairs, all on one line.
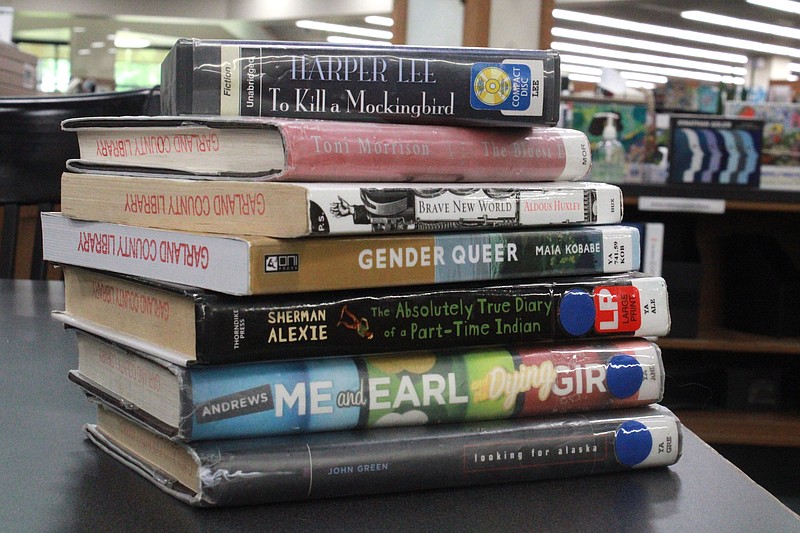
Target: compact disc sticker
{"points": [[513, 88]]}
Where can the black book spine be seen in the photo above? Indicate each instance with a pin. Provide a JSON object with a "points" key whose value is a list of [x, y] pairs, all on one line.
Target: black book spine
{"points": [[458, 86], [321, 465], [338, 323]]}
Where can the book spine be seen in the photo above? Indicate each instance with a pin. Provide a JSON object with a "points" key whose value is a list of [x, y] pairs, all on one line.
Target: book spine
{"points": [[401, 152], [432, 318], [240, 266], [225, 207], [406, 459], [306, 396], [488, 87]]}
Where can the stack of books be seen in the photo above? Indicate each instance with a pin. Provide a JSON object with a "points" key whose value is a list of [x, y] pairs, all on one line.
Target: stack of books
{"points": [[391, 281]]}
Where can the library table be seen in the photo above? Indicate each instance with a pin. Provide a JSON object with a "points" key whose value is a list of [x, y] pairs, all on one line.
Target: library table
{"points": [[53, 479]]}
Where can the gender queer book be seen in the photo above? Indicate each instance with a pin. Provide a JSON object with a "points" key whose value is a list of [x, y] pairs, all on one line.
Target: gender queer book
{"points": [[413, 388], [236, 264], [370, 461], [302, 209], [401, 83], [186, 326], [253, 148]]}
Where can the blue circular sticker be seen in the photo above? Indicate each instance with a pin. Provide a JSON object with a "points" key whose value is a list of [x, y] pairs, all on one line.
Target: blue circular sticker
{"points": [[576, 312], [624, 376], [633, 443]]}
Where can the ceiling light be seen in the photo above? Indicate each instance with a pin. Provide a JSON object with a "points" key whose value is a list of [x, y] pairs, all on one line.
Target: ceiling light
{"points": [[650, 69], [130, 41], [741, 24], [638, 76], [584, 77], [794, 67], [664, 31], [581, 69], [647, 45], [340, 28], [649, 58], [379, 21], [341, 39], [783, 5]]}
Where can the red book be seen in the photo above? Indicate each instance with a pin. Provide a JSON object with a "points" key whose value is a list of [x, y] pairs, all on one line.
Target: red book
{"points": [[325, 150]]}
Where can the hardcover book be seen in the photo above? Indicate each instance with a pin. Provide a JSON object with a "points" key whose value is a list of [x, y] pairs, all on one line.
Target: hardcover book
{"points": [[412, 388], [326, 150], [236, 264], [303, 209], [187, 326], [370, 461], [414, 84]]}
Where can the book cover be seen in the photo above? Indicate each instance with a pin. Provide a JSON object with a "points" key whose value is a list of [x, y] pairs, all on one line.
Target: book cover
{"points": [[344, 463], [401, 83], [274, 149], [185, 325], [302, 209], [399, 389], [241, 265], [715, 150]]}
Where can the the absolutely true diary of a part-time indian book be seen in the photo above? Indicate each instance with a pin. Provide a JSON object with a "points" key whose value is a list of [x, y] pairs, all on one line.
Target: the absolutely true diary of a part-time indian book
{"points": [[435, 85], [186, 325]]}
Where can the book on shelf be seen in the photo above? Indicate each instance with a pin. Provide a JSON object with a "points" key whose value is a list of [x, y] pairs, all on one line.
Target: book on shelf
{"points": [[255, 148], [400, 83], [186, 326], [399, 389], [236, 264], [401, 459], [301, 209]]}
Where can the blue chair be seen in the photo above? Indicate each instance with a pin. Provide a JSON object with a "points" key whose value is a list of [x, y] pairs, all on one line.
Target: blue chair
{"points": [[33, 152]]}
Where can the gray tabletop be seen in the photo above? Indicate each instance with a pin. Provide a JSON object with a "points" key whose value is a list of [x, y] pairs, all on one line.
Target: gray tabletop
{"points": [[54, 480]]}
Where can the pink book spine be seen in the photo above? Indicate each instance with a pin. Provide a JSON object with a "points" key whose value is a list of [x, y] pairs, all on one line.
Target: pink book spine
{"points": [[364, 151]]}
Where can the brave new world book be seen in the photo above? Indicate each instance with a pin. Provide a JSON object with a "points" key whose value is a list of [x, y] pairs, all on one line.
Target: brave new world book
{"points": [[356, 462], [236, 264], [188, 326], [400, 389], [401, 83], [314, 209], [274, 149]]}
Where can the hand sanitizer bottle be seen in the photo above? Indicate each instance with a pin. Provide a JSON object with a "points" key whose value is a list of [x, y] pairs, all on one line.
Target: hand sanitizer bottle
{"points": [[608, 158]]}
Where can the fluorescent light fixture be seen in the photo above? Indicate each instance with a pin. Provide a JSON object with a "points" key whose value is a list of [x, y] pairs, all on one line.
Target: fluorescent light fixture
{"points": [[650, 69], [584, 77], [741, 24], [130, 41], [340, 28], [792, 78], [581, 69], [638, 76], [664, 31], [588, 78], [794, 67], [97, 44], [783, 5], [379, 21], [641, 44], [649, 58], [341, 39], [635, 84]]}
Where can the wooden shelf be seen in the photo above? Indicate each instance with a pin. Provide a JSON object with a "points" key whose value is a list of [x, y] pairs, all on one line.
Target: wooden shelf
{"points": [[725, 340], [741, 427], [736, 198]]}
